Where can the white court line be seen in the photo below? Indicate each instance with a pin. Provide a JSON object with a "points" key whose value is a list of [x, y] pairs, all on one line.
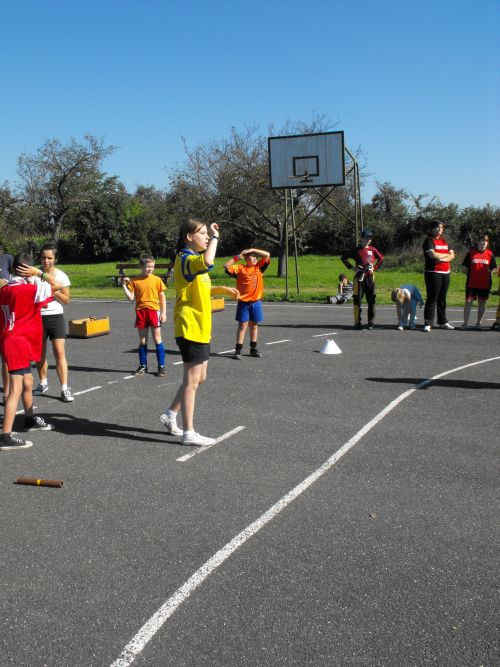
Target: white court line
{"points": [[327, 334], [85, 391], [127, 377], [226, 351], [177, 363], [112, 381], [151, 627], [275, 342], [217, 440]]}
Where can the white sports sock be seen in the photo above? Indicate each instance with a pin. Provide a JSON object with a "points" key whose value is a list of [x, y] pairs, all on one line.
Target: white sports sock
{"points": [[64, 387], [171, 414], [45, 382]]}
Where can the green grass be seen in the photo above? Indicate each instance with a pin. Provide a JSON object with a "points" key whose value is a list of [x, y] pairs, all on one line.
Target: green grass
{"points": [[318, 279]]}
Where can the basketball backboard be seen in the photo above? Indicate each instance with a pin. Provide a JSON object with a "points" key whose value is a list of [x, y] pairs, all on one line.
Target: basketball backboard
{"points": [[307, 160]]}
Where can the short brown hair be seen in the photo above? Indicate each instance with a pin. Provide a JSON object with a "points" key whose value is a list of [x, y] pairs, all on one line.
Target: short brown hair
{"points": [[144, 259]]}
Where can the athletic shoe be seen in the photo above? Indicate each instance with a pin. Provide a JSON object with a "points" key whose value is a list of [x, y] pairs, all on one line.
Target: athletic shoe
{"points": [[446, 325], [400, 328], [237, 356], [142, 370], [161, 372], [495, 325], [41, 389], [170, 424], [10, 441], [254, 352], [426, 329], [358, 326], [67, 396], [197, 439], [371, 326], [37, 423]]}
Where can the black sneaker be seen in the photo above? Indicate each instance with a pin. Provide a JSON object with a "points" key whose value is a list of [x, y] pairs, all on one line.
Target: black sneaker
{"points": [[358, 326], [161, 372], [495, 325], [37, 423], [13, 441], [254, 352], [237, 356], [371, 326], [142, 370]]}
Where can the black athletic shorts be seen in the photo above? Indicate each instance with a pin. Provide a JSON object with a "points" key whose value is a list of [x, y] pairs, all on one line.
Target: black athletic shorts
{"points": [[54, 326], [20, 371], [477, 293], [192, 352]]}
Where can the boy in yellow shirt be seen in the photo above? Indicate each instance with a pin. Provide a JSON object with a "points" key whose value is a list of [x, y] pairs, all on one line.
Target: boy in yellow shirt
{"points": [[151, 311]]}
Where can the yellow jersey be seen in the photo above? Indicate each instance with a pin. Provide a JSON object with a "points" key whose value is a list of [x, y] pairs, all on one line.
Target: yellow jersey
{"points": [[193, 307]]}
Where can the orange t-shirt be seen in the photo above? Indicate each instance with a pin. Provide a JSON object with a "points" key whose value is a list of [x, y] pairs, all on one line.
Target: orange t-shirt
{"points": [[147, 291], [249, 279]]}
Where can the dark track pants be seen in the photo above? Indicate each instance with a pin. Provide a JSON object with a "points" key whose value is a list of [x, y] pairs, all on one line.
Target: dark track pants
{"points": [[365, 288], [437, 288]]}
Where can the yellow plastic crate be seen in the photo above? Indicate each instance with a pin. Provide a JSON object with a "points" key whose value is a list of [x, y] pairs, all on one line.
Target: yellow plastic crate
{"points": [[217, 304], [88, 327]]}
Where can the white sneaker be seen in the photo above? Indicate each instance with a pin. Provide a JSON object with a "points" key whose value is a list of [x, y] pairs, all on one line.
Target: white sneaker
{"points": [[400, 328], [67, 396], [446, 325], [41, 389], [170, 425], [197, 439], [426, 329]]}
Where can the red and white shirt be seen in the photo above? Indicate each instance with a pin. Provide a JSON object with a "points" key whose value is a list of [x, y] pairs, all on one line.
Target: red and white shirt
{"points": [[440, 247], [21, 323], [479, 267]]}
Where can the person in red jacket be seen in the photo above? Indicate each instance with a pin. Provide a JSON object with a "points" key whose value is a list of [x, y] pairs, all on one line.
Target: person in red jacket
{"points": [[480, 263], [367, 260]]}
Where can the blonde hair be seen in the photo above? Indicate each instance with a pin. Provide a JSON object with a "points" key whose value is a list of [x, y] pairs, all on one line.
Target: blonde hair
{"points": [[398, 295]]}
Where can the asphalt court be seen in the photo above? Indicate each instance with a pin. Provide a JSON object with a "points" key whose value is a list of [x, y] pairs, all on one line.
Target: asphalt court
{"points": [[386, 556]]}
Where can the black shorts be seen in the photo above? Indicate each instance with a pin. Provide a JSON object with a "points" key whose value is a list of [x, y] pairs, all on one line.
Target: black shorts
{"points": [[54, 326], [193, 352], [20, 371], [477, 292]]}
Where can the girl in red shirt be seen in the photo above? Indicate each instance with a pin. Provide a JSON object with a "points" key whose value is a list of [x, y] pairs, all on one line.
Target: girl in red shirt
{"points": [[480, 263]]}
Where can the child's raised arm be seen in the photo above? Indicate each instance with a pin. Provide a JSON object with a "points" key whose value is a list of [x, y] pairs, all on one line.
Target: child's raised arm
{"points": [[128, 292], [255, 251]]}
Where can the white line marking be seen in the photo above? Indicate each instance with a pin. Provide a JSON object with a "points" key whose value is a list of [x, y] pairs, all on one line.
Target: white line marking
{"points": [[275, 342], [112, 381], [327, 334], [151, 627], [127, 377], [177, 363], [226, 351], [85, 391], [198, 450]]}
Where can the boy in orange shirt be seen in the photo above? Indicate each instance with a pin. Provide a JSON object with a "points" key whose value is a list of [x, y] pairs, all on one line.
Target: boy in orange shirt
{"points": [[150, 310], [250, 284]]}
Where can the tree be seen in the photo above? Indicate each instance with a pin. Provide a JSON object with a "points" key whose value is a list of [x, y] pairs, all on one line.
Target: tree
{"points": [[232, 176], [58, 179]]}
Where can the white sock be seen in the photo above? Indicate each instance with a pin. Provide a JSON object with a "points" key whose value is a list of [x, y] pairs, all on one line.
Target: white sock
{"points": [[171, 414], [189, 433], [64, 387], [45, 382]]}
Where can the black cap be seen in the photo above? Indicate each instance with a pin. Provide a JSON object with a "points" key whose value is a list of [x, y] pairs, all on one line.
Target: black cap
{"points": [[367, 234]]}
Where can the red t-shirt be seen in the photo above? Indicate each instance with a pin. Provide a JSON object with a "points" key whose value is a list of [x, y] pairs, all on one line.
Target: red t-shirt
{"points": [[479, 267], [21, 323], [440, 247]]}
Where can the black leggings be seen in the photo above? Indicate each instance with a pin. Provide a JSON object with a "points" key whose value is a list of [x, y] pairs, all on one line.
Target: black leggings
{"points": [[437, 288]]}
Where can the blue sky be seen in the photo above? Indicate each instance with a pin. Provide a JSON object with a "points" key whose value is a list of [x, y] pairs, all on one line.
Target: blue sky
{"points": [[414, 83]]}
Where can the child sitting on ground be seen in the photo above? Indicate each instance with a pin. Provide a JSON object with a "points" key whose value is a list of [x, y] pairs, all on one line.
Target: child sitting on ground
{"points": [[150, 310], [406, 299], [21, 343], [250, 285], [344, 290]]}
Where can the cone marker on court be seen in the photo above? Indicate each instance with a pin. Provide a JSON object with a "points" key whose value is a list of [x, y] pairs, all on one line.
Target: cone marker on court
{"points": [[33, 481], [330, 347]]}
